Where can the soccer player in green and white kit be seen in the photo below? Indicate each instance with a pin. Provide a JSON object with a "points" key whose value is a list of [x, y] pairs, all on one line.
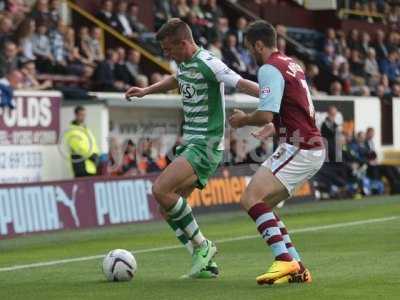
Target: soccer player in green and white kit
{"points": [[200, 78]]}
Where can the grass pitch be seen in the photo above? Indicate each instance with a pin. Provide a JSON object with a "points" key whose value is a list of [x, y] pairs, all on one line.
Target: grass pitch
{"points": [[358, 260]]}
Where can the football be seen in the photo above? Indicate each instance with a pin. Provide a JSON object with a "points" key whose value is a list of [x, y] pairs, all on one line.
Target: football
{"points": [[119, 265]]}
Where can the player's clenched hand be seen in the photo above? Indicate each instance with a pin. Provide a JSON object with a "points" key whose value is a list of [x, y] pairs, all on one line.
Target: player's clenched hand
{"points": [[264, 132], [237, 118], [135, 92]]}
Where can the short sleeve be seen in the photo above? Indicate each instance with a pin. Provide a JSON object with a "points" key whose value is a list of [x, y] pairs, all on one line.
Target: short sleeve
{"points": [[222, 72], [272, 85]]}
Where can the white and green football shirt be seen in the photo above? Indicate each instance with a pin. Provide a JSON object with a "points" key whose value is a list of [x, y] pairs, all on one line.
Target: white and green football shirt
{"points": [[201, 83]]}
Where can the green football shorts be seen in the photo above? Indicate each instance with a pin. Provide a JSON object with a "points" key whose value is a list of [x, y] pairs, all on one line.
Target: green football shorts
{"points": [[203, 162]]}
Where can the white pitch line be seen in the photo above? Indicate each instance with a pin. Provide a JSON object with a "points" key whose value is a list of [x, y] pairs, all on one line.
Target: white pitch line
{"points": [[240, 238]]}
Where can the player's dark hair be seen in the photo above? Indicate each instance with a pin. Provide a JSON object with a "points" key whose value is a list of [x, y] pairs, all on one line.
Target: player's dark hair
{"points": [[175, 28], [78, 109], [261, 31]]}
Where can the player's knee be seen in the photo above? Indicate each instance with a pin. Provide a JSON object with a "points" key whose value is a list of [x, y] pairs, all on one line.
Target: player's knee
{"points": [[157, 191], [248, 200]]}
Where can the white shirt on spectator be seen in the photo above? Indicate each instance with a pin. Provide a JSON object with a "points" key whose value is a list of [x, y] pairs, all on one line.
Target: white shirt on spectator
{"points": [[41, 45], [125, 24], [27, 49]]}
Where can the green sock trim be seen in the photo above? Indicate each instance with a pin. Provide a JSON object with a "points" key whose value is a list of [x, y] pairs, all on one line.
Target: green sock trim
{"points": [[185, 221], [183, 239], [180, 211], [172, 224]]}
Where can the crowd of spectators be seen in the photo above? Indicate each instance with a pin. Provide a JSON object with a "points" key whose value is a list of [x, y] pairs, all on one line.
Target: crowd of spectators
{"points": [[37, 44], [361, 64]]}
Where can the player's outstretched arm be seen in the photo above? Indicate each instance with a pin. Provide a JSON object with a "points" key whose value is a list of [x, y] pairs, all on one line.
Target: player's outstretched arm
{"points": [[248, 87], [168, 83]]}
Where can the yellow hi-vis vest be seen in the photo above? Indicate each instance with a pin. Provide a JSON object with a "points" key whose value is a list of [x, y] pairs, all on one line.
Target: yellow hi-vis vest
{"points": [[82, 143]]}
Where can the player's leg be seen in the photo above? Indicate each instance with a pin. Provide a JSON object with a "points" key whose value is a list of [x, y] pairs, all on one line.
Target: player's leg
{"points": [[211, 270], [174, 178], [258, 200]]}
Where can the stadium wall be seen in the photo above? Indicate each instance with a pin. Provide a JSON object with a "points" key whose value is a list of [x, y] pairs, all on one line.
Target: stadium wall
{"points": [[98, 202]]}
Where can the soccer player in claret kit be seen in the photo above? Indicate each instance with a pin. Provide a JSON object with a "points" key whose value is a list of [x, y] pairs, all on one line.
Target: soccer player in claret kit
{"points": [[200, 79], [286, 102]]}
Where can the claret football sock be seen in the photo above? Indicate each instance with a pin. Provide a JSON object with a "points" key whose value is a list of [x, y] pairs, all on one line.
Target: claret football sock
{"points": [[288, 242], [269, 230]]}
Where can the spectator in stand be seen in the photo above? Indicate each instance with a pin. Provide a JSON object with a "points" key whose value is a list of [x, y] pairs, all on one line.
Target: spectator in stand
{"points": [[365, 91], [114, 161], [312, 72], [216, 48], [281, 44], [330, 131], [41, 13], [104, 78], [147, 163], [133, 17], [391, 66], [354, 40], [371, 68], [133, 64], [8, 84], [231, 55], [95, 44], [393, 42], [18, 9], [241, 25], [220, 31], [69, 39], [357, 67], [30, 81], [335, 89], [396, 90], [331, 40], [121, 71], [8, 58], [328, 56], [183, 8], [106, 14], [24, 37], [365, 43], [342, 42], [197, 31], [163, 12], [142, 81], [123, 24], [380, 46], [58, 48], [381, 93], [42, 49], [55, 13], [129, 160], [385, 83], [6, 28], [345, 77], [212, 12], [84, 44], [198, 11]]}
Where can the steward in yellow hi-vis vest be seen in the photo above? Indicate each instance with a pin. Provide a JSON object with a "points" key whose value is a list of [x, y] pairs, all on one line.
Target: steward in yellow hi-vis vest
{"points": [[82, 145]]}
